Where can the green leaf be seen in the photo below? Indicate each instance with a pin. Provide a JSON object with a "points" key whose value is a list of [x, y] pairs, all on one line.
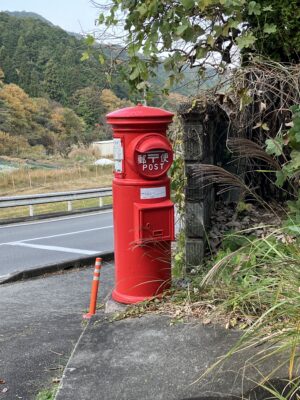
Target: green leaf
{"points": [[169, 63], [265, 127], [296, 121], [108, 77], [181, 29], [268, 8], [247, 40], [270, 28], [101, 19], [274, 146], [295, 160], [188, 34], [132, 50], [280, 178], [295, 108], [90, 40], [203, 4], [134, 74], [210, 40], [143, 85], [188, 4], [101, 59], [294, 228], [85, 56], [142, 9], [201, 52], [254, 8], [233, 23], [245, 98]]}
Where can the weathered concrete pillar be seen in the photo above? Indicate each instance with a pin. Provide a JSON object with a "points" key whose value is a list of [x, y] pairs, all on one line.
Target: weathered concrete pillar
{"points": [[198, 148]]}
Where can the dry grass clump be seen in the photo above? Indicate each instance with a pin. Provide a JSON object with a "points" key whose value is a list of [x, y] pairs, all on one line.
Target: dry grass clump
{"points": [[84, 154]]}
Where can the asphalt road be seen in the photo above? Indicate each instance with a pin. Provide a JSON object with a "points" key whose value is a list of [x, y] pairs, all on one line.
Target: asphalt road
{"points": [[34, 244]]}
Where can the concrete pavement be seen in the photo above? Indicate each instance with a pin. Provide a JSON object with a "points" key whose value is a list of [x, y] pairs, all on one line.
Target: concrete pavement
{"points": [[151, 359], [148, 358]]}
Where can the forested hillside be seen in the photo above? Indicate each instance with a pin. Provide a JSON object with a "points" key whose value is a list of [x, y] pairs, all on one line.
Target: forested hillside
{"points": [[50, 100], [44, 60]]}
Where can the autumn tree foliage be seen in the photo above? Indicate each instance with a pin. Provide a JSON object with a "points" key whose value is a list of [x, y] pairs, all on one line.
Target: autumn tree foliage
{"points": [[10, 145], [68, 127], [111, 102], [26, 122]]}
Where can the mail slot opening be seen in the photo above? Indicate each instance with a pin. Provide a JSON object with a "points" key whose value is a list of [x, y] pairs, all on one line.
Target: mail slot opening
{"points": [[154, 222]]}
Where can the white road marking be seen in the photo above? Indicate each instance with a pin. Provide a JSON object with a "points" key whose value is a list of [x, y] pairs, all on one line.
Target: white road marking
{"points": [[58, 235], [55, 248], [44, 221]]}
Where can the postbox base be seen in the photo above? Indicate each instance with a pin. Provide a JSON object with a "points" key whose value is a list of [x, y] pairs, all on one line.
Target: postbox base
{"points": [[126, 299]]}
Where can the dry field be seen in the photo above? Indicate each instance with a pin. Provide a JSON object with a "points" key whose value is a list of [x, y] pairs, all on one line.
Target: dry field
{"points": [[28, 181]]}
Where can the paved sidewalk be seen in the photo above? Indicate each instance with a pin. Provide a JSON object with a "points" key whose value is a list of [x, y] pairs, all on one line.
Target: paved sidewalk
{"points": [[145, 358], [40, 323], [148, 358]]}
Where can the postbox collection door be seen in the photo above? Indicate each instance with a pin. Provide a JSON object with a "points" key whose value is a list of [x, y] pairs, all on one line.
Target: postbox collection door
{"points": [[154, 222]]}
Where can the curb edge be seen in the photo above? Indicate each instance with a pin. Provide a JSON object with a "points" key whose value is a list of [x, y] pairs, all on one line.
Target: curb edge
{"points": [[57, 267]]}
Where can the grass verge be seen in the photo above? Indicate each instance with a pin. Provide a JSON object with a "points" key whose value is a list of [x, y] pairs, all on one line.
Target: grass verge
{"points": [[47, 394], [256, 288]]}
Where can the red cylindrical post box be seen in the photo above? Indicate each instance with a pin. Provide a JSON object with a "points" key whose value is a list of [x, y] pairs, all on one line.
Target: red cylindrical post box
{"points": [[143, 212]]}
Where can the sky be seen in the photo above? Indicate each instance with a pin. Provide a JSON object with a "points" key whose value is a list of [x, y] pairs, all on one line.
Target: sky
{"points": [[71, 15]]}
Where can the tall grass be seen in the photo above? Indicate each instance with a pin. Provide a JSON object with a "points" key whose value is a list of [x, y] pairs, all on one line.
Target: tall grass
{"points": [[258, 287]]}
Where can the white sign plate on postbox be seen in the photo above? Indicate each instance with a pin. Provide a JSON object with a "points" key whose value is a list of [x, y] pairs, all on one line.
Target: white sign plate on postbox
{"points": [[118, 155], [153, 193], [118, 166], [118, 149]]}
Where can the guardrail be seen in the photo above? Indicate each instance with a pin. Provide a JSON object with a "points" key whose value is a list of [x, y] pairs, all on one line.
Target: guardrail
{"points": [[31, 200]]}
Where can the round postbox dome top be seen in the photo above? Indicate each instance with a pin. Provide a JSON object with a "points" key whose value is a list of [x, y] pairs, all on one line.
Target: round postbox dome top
{"points": [[140, 111], [139, 115]]}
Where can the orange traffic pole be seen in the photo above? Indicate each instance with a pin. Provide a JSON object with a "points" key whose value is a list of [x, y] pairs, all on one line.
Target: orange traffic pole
{"points": [[94, 290]]}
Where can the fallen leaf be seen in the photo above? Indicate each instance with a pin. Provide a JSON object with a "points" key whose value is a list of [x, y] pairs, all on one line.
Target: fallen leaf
{"points": [[2, 381], [289, 124], [55, 380], [262, 106]]}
